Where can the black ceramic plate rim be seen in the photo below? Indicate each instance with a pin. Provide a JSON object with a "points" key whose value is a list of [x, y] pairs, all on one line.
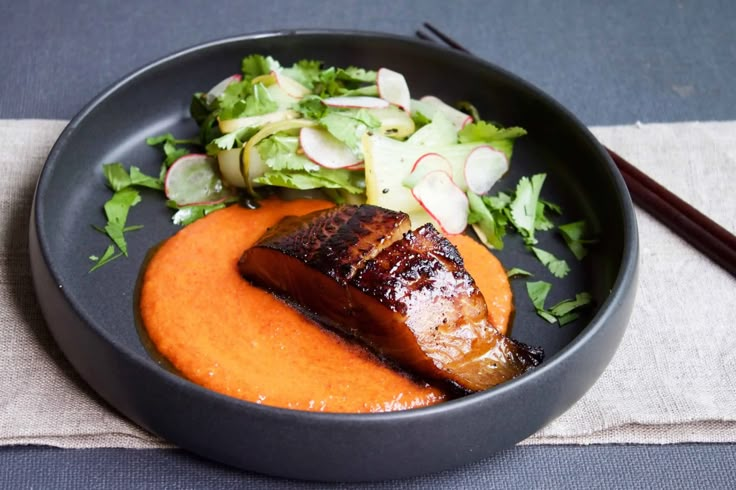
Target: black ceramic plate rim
{"points": [[625, 276]]}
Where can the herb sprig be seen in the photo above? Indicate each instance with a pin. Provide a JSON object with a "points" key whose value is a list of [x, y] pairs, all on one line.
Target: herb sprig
{"points": [[525, 212], [124, 184]]}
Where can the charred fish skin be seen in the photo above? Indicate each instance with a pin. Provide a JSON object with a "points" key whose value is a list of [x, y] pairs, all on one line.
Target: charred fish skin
{"points": [[339, 240], [404, 294], [422, 280]]}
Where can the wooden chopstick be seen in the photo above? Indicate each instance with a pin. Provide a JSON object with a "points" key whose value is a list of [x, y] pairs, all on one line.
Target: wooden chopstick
{"points": [[701, 232]]}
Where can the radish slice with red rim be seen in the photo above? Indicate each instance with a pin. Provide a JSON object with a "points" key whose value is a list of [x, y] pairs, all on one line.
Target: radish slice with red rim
{"points": [[443, 200], [392, 87], [483, 167], [362, 102], [220, 87], [193, 179], [458, 118], [290, 86], [324, 149], [429, 162]]}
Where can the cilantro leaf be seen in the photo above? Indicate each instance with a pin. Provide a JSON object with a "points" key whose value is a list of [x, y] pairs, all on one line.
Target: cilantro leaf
{"points": [[567, 306], [487, 132], [328, 178], [230, 140], [355, 74], [523, 209], [573, 234], [259, 102], [119, 179], [279, 152], [243, 99], [563, 312], [116, 175], [305, 72], [187, 215], [349, 126], [420, 119], [108, 256], [538, 291], [342, 81], [558, 267], [489, 224], [518, 272], [483, 131], [171, 146], [255, 65], [116, 210], [199, 109], [311, 107], [139, 178], [541, 222]]}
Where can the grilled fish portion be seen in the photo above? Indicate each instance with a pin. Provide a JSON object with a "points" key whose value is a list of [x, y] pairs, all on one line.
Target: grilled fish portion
{"points": [[405, 294]]}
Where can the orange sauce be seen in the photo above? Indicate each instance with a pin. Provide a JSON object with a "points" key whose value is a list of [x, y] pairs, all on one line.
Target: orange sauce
{"points": [[226, 335]]}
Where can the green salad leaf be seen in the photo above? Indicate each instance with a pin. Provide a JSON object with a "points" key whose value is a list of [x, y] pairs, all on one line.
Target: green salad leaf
{"points": [[573, 234], [279, 152], [563, 312], [523, 209], [518, 272], [557, 267], [108, 256], [256, 65], [489, 221], [349, 126], [482, 131]]}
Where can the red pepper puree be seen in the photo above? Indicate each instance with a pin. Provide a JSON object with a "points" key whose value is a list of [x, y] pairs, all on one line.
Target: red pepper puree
{"points": [[224, 334]]}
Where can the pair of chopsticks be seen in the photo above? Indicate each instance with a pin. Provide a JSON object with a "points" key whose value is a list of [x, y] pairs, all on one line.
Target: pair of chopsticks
{"points": [[701, 232]]}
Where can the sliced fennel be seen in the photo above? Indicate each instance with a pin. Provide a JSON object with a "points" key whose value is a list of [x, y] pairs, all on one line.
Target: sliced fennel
{"points": [[388, 162]]}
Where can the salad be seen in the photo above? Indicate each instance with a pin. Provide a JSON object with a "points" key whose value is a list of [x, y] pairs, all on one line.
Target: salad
{"points": [[351, 135], [356, 134]]}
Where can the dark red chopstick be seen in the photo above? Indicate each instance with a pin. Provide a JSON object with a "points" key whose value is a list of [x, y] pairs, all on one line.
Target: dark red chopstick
{"points": [[690, 224], [701, 232]]}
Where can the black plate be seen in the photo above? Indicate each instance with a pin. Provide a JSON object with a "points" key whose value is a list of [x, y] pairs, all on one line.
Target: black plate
{"points": [[92, 316]]}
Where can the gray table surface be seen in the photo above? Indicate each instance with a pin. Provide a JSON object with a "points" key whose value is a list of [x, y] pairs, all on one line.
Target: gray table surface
{"points": [[608, 62]]}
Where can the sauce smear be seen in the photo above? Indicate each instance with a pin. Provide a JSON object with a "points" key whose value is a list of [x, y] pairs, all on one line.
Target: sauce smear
{"points": [[224, 334]]}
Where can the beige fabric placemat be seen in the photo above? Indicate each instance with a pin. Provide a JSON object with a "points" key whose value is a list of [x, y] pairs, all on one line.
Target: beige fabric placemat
{"points": [[672, 379]]}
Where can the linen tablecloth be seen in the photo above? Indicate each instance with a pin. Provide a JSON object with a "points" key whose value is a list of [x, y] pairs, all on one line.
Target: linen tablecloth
{"points": [[671, 380]]}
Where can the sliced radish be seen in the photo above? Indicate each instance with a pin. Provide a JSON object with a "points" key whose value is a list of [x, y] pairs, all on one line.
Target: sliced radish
{"points": [[392, 87], [443, 200], [429, 162], [326, 150], [290, 86], [483, 167], [220, 87], [193, 179], [357, 102], [458, 118]]}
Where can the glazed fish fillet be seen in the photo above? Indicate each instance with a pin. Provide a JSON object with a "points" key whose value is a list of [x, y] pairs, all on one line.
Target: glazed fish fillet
{"points": [[405, 294]]}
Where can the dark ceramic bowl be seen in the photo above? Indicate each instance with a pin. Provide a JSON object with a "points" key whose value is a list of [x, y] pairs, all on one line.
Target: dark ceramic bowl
{"points": [[92, 315]]}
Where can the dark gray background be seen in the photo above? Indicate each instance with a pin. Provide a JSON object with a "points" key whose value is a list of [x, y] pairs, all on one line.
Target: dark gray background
{"points": [[609, 62]]}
